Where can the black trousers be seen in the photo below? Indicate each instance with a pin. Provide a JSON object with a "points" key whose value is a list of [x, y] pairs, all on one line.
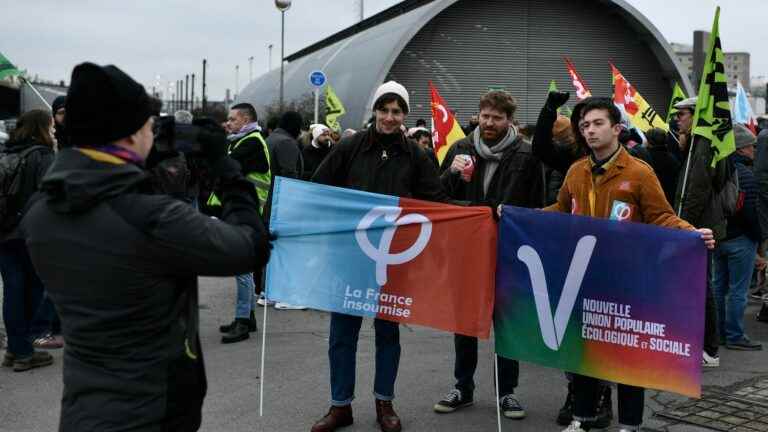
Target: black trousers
{"points": [[711, 336], [587, 392], [466, 364]]}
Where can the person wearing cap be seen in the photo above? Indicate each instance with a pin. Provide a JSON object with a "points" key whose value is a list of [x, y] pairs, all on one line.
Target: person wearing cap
{"points": [[696, 204], [494, 165], [317, 150], [590, 189], [734, 257], [121, 263], [379, 159]]}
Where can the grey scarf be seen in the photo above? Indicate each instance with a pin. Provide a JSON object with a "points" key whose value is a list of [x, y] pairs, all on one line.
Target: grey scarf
{"points": [[492, 155]]}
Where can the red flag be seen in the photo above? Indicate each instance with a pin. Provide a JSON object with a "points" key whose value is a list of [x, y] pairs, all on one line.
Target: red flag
{"points": [[582, 91], [446, 130]]}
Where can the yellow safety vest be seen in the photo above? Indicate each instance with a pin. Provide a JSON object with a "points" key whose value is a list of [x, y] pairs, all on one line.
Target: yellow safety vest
{"points": [[261, 181]]}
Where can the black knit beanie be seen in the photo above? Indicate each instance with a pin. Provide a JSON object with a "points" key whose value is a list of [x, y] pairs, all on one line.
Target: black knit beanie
{"points": [[291, 123], [104, 105], [58, 103]]}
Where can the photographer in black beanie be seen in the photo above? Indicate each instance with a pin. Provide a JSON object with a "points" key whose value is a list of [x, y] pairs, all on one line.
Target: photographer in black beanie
{"points": [[121, 263]]}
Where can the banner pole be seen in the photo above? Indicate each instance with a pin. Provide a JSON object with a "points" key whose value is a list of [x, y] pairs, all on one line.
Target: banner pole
{"points": [[37, 93], [496, 382], [685, 177], [263, 352]]}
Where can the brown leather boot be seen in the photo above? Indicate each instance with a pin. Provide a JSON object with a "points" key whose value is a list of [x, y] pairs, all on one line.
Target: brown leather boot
{"points": [[337, 417], [386, 416]]}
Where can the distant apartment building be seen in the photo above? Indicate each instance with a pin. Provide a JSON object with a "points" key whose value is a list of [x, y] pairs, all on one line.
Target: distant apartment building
{"points": [[691, 58]]}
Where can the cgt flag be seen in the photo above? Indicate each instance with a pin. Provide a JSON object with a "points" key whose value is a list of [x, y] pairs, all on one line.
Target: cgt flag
{"points": [[447, 130], [379, 256], [639, 111], [712, 118], [333, 109], [677, 96], [571, 295], [582, 91]]}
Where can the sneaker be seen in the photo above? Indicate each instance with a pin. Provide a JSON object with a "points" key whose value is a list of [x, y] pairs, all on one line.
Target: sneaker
{"points": [[238, 332], [8, 359], [757, 294], [744, 344], [287, 306], [575, 426], [453, 401], [49, 341], [511, 407], [604, 409], [565, 415], [36, 360], [264, 302], [710, 361]]}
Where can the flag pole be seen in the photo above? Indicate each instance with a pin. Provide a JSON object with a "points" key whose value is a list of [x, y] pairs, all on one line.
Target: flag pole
{"points": [[263, 352], [25, 81], [685, 177], [496, 382]]}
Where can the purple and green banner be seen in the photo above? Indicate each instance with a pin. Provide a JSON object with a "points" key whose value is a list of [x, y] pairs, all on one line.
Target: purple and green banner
{"points": [[619, 301]]}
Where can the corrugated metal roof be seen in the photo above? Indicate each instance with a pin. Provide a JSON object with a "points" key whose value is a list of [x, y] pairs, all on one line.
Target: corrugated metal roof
{"points": [[358, 59]]}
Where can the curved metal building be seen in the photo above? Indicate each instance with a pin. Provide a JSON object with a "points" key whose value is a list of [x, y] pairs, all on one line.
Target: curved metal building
{"points": [[466, 47]]}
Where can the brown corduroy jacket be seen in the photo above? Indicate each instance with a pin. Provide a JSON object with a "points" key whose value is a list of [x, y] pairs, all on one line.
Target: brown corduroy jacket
{"points": [[627, 190]]}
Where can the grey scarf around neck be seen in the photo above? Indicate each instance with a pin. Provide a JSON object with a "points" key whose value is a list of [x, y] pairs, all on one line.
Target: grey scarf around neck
{"points": [[492, 155]]}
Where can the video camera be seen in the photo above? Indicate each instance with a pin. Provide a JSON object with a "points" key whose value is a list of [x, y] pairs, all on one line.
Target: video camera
{"points": [[171, 137]]}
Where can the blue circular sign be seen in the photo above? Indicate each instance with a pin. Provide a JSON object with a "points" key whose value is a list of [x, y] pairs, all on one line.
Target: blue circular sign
{"points": [[317, 78]]}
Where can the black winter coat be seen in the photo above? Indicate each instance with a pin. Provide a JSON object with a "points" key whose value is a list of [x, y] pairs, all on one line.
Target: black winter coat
{"points": [[285, 155], [518, 180], [744, 221], [667, 168], [702, 182], [386, 164], [313, 157], [121, 268], [35, 165]]}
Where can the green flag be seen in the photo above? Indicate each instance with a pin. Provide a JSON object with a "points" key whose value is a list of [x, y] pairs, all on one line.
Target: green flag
{"points": [[712, 119], [677, 96], [7, 69], [564, 110], [333, 109]]}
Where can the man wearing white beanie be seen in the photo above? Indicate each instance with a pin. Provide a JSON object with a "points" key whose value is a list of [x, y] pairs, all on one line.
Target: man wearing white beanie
{"points": [[379, 159], [317, 150]]}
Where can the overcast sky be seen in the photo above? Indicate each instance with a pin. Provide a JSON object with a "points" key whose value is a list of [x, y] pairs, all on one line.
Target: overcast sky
{"points": [[169, 38]]}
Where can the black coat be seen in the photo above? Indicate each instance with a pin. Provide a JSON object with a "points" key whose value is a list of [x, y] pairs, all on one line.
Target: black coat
{"points": [[744, 221], [313, 157], [34, 167], [667, 167], [391, 165], [285, 155], [518, 180], [121, 267]]}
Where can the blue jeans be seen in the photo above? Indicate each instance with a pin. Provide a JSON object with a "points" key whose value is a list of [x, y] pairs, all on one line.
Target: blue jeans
{"points": [[22, 295], [342, 353], [734, 263], [246, 300]]}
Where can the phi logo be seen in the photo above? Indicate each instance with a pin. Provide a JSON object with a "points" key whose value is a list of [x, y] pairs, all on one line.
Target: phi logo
{"points": [[553, 329], [380, 255]]}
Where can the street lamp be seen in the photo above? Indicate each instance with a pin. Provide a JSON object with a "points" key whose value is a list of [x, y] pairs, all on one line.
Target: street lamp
{"points": [[250, 69], [282, 6]]}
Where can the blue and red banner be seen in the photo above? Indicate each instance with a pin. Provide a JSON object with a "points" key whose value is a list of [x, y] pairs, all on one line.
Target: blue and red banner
{"points": [[620, 301], [372, 255]]}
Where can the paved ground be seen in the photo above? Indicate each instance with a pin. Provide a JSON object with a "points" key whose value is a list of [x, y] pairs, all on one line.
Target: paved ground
{"points": [[296, 379]]}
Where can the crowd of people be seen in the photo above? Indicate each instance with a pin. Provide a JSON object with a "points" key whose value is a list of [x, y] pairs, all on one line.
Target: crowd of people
{"points": [[152, 201]]}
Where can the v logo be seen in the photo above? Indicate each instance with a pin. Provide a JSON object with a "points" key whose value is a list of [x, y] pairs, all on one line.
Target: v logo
{"points": [[552, 330]]}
